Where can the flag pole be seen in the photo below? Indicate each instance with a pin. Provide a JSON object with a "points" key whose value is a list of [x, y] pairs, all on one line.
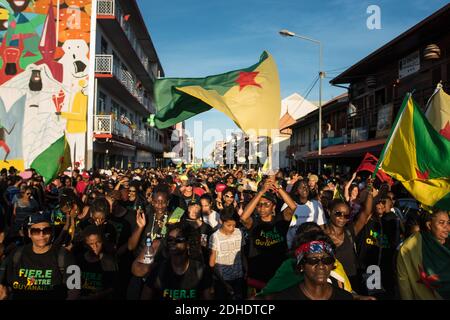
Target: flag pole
{"points": [[438, 87]]}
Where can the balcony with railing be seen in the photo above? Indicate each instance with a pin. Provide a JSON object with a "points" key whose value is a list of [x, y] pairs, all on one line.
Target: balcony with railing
{"points": [[111, 10], [105, 126], [143, 137], [105, 67]]}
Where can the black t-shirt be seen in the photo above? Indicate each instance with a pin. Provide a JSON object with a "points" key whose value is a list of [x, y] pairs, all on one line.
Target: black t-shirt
{"points": [[268, 247], [345, 253], [167, 285], [295, 293], [123, 229], [99, 275], [204, 232], [377, 233], [38, 276], [380, 233]]}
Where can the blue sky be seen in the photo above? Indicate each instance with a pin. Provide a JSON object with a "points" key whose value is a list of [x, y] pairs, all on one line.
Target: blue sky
{"points": [[197, 38]]}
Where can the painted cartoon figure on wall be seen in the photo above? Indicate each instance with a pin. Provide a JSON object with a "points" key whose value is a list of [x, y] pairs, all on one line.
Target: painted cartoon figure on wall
{"points": [[75, 77], [18, 5], [3, 143], [44, 68], [4, 19]]}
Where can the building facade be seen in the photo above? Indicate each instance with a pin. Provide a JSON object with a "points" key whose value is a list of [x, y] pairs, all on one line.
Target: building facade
{"points": [[76, 78], [126, 67], [293, 107], [360, 121], [303, 148]]}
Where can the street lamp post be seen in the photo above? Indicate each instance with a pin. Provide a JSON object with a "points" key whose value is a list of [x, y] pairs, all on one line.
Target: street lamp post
{"points": [[287, 33]]}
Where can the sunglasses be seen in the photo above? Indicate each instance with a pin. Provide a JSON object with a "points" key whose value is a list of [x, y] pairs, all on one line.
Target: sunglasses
{"points": [[228, 196], [176, 239], [264, 204], [315, 261], [339, 214], [45, 231]]}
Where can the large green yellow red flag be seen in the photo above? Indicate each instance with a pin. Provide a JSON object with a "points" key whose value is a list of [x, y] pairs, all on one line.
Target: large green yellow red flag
{"points": [[250, 97], [438, 112], [423, 268], [418, 156]]}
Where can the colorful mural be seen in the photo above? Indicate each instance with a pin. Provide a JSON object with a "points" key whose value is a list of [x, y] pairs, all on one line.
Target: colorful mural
{"points": [[44, 67]]}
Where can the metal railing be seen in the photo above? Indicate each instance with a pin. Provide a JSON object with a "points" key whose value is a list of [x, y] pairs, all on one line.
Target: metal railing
{"points": [[105, 7], [111, 8], [103, 124], [104, 64], [122, 130]]}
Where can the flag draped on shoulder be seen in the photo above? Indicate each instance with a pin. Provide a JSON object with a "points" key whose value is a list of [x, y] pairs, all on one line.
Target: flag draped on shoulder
{"points": [[423, 268], [53, 160], [250, 97], [418, 156]]}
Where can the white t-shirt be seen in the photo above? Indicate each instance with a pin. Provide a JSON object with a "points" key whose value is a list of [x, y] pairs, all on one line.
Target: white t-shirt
{"points": [[212, 219], [228, 253], [311, 211]]}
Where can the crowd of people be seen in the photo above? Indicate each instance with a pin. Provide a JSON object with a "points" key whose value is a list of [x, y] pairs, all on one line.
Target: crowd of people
{"points": [[216, 233]]}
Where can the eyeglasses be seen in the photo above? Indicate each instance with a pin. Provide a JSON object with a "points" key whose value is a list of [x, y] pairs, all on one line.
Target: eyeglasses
{"points": [[339, 214], [45, 231], [264, 204], [315, 261], [176, 239]]}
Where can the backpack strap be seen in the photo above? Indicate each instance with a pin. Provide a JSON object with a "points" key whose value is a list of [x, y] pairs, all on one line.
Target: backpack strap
{"points": [[200, 272], [17, 256], [352, 241], [61, 261]]}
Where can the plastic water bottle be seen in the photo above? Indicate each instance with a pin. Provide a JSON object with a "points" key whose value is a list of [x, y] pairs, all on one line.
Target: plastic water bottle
{"points": [[149, 252]]}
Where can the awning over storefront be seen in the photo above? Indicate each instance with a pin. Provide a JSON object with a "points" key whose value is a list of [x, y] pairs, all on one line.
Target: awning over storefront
{"points": [[351, 150]]}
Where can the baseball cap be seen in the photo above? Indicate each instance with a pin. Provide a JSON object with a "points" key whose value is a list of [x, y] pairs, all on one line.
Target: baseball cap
{"points": [[199, 191], [85, 175], [220, 187], [194, 201], [331, 180], [37, 218]]}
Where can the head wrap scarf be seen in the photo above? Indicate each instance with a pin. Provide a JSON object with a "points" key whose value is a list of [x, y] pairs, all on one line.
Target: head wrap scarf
{"points": [[313, 247]]}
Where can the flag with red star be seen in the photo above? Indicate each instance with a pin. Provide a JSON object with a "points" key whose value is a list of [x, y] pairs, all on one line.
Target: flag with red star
{"points": [[418, 156], [239, 94], [435, 271], [438, 112], [423, 268]]}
